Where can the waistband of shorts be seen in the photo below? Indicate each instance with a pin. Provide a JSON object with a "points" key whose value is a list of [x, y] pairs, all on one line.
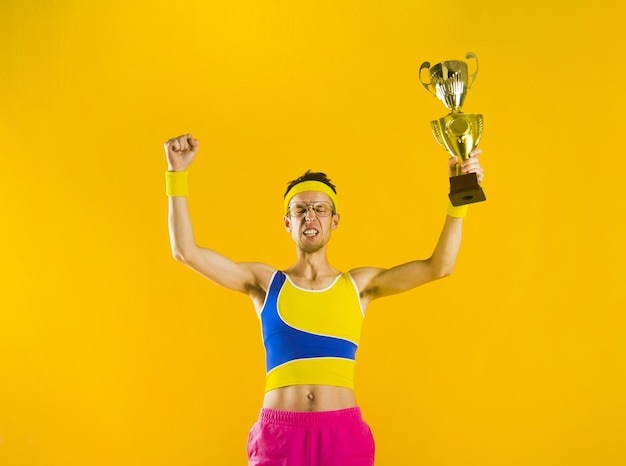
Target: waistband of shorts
{"points": [[310, 419]]}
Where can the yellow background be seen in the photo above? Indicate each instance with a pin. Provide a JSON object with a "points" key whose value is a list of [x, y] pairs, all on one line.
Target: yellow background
{"points": [[112, 353]]}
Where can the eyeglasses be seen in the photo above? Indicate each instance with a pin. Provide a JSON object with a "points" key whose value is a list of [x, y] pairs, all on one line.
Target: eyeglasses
{"points": [[321, 208]]}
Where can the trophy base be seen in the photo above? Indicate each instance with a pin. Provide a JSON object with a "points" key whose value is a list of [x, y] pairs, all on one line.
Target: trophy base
{"points": [[464, 189]]}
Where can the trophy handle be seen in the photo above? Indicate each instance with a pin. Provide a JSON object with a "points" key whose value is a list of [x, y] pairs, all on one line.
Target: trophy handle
{"points": [[469, 56], [427, 66]]}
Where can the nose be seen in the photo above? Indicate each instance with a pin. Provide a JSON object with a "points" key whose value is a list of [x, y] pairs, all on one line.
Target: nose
{"points": [[310, 212]]}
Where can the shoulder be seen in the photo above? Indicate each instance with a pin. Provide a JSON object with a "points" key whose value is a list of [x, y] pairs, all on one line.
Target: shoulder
{"points": [[364, 278]]}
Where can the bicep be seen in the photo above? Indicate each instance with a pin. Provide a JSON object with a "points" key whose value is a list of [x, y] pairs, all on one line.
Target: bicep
{"points": [[237, 276], [380, 282]]}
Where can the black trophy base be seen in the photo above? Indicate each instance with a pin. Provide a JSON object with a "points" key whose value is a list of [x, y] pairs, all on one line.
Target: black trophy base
{"points": [[464, 189]]}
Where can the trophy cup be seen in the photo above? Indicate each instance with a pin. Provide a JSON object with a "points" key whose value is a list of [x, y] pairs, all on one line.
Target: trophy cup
{"points": [[457, 132]]}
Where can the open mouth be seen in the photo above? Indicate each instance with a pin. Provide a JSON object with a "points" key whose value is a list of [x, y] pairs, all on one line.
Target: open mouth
{"points": [[310, 232]]}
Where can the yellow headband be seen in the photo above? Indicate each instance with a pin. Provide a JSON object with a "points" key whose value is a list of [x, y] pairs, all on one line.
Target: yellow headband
{"points": [[310, 185]]}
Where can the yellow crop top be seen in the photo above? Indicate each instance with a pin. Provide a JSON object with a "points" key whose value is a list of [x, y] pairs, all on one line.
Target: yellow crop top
{"points": [[311, 336]]}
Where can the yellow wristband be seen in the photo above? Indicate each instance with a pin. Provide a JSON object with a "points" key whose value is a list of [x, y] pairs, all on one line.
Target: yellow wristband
{"points": [[176, 183], [457, 212]]}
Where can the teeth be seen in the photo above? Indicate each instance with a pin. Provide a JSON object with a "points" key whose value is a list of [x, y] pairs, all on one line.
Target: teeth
{"points": [[310, 233]]}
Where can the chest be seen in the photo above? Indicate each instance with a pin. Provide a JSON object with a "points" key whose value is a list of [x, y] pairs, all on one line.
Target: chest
{"points": [[335, 311]]}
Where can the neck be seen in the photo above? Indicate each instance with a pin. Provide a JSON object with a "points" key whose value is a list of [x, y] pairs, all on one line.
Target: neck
{"points": [[312, 265]]}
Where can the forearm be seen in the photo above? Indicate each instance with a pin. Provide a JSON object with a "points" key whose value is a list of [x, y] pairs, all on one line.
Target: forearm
{"points": [[444, 256], [182, 240]]}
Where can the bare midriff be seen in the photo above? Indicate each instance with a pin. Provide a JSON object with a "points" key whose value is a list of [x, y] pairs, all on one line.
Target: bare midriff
{"points": [[310, 398]]}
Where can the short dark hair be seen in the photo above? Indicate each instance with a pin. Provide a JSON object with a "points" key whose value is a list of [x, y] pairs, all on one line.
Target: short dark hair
{"points": [[311, 176]]}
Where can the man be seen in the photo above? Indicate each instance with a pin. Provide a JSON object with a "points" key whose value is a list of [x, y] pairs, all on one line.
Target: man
{"points": [[310, 314]]}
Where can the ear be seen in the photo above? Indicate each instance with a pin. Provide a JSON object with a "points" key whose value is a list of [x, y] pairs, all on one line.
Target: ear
{"points": [[335, 223], [287, 222]]}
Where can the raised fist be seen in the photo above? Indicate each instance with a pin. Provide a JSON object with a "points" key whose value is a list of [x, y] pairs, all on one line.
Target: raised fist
{"points": [[180, 152]]}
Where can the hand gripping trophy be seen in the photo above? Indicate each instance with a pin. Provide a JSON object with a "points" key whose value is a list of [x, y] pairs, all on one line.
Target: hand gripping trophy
{"points": [[457, 132]]}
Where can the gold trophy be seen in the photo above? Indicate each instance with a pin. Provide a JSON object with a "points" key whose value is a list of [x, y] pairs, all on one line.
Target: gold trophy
{"points": [[457, 132]]}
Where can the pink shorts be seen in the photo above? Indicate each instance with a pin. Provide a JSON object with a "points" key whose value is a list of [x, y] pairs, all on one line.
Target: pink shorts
{"points": [[327, 438]]}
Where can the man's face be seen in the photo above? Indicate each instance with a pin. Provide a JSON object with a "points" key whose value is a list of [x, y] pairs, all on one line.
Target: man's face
{"points": [[310, 231]]}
